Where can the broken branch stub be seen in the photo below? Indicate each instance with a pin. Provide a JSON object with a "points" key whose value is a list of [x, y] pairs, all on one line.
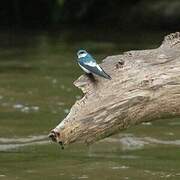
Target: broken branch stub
{"points": [[145, 86]]}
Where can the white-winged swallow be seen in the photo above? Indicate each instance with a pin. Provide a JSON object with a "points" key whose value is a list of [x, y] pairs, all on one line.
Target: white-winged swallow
{"points": [[89, 65]]}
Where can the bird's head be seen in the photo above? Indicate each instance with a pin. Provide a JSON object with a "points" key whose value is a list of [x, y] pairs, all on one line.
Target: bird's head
{"points": [[81, 53]]}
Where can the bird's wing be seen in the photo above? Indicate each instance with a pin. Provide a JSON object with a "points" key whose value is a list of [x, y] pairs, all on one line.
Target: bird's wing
{"points": [[93, 67]]}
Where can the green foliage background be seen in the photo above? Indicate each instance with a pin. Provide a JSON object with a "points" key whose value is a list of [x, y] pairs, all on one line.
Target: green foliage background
{"points": [[122, 14]]}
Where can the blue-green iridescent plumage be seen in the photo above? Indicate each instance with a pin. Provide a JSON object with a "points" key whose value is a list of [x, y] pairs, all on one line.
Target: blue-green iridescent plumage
{"points": [[89, 65]]}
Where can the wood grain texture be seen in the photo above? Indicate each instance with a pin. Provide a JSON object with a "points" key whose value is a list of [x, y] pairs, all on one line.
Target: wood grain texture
{"points": [[145, 86]]}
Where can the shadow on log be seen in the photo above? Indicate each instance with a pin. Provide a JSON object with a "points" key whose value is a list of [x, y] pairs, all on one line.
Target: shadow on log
{"points": [[145, 86]]}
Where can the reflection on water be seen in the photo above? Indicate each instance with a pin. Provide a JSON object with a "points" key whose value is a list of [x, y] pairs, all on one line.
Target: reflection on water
{"points": [[36, 93], [125, 141]]}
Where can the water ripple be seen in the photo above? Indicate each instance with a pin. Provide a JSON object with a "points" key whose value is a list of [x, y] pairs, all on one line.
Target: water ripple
{"points": [[130, 142], [13, 143]]}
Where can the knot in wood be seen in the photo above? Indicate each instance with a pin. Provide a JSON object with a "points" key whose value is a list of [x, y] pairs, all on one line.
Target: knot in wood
{"points": [[120, 64]]}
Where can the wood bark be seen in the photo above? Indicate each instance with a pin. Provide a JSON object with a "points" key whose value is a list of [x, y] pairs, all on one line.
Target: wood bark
{"points": [[145, 86]]}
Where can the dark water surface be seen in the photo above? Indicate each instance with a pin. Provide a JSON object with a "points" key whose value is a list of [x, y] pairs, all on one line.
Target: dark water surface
{"points": [[36, 93]]}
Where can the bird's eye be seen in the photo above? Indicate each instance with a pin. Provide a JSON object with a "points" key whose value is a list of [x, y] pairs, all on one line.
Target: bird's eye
{"points": [[81, 53]]}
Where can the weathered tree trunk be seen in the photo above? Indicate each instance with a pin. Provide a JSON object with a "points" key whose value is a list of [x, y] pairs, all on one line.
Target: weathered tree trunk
{"points": [[145, 86]]}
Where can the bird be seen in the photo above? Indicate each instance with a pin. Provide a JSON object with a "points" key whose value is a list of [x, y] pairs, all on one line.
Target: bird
{"points": [[89, 65]]}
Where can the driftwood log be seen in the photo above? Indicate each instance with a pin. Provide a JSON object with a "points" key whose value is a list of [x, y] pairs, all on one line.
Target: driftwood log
{"points": [[145, 86]]}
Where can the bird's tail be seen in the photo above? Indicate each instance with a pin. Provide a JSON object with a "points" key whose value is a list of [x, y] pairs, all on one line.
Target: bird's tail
{"points": [[105, 75]]}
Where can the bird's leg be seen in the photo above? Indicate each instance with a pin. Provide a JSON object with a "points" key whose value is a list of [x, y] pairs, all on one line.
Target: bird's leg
{"points": [[91, 77]]}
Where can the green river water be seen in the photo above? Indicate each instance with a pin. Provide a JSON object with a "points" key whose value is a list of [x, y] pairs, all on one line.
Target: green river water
{"points": [[36, 92]]}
